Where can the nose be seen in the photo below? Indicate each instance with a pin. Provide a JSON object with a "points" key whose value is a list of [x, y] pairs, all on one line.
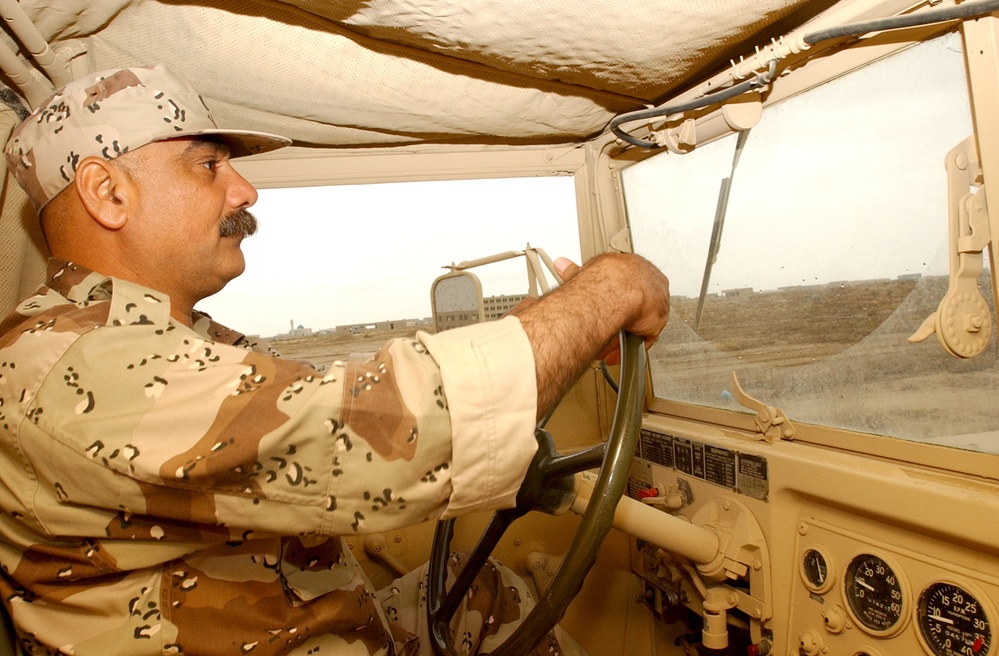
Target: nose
{"points": [[241, 193]]}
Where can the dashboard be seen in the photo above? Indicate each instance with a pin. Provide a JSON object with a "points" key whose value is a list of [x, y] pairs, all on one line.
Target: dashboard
{"points": [[860, 556]]}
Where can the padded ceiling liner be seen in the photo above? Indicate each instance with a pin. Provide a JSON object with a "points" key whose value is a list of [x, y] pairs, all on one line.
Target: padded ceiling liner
{"points": [[382, 72]]}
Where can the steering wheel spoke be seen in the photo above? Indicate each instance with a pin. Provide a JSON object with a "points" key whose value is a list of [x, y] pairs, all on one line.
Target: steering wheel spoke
{"points": [[574, 463], [437, 580]]}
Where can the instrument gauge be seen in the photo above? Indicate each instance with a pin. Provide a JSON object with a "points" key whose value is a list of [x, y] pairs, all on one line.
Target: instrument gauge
{"points": [[876, 595], [953, 621], [815, 570]]}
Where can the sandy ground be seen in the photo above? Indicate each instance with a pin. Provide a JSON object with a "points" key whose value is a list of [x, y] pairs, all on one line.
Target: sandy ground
{"points": [[835, 356]]}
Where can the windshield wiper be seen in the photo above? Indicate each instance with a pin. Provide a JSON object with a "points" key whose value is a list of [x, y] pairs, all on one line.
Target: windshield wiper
{"points": [[716, 231]]}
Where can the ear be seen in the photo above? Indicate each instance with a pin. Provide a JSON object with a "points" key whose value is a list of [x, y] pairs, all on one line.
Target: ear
{"points": [[104, 191]]}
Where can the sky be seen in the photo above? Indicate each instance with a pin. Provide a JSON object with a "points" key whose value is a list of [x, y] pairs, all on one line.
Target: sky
{"points": [[328, 256]]}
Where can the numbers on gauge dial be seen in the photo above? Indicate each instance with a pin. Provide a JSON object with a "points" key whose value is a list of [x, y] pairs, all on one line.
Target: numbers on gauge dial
{"points": [[874, 592], [953, 622]]}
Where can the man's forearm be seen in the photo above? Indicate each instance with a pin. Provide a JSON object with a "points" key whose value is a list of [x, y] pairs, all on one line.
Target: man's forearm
{"points": [[574, 324]]}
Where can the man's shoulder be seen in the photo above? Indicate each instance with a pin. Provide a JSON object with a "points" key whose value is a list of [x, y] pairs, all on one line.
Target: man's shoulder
{"points": [[75, 299], [47, 311]]}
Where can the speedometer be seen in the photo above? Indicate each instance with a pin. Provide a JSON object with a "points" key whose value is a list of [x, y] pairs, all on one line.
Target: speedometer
{"points": [[953, 622], [875, 594]]}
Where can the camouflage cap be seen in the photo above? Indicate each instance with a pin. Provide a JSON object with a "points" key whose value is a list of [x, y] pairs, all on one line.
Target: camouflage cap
{"points": [[107, 114]]}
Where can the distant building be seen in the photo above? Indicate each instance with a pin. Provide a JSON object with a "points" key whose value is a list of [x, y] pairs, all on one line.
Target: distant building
{"points": [[301, 331], [456, 319], [389, 324], [495, 307]]}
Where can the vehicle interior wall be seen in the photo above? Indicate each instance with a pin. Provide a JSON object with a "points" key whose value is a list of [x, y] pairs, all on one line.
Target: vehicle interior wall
{"points": [[22, 247]]}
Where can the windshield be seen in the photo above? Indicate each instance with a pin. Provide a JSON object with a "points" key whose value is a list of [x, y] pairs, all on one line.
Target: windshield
{"points": [[832, 251]]}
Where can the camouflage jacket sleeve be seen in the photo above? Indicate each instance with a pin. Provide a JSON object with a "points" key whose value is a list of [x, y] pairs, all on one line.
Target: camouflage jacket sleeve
{"points": [[117, 408], [488, 372]]}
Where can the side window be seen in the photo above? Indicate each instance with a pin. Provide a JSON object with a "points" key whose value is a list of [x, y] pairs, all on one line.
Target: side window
{"points": [[832, 252], [341, 268]]}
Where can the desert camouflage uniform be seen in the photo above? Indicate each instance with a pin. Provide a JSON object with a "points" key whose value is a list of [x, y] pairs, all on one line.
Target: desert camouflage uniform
{"points": [[167, 490]]}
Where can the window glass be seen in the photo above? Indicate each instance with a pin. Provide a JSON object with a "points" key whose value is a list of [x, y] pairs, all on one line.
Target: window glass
{"points": [[832, 252]]}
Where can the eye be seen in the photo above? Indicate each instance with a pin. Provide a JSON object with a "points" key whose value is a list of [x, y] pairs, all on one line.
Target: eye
{"points": [[211, 164]]}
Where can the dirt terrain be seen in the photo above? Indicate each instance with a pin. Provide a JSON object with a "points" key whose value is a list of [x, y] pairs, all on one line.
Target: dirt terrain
{"points": [[834, 355]]}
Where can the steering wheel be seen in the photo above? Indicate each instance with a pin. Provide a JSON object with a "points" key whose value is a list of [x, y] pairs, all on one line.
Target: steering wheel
{"points": [[547, 487]]}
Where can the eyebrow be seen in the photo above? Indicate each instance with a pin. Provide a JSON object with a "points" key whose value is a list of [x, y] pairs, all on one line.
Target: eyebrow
{"points": [[207, 141]]}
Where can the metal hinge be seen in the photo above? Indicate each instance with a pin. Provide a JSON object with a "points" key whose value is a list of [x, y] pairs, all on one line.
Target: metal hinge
{"points": [[962, 321], [771, 422]]}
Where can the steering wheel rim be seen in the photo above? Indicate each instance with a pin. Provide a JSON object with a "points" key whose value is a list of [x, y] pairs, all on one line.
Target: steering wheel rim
{"points": [[548, 467]]}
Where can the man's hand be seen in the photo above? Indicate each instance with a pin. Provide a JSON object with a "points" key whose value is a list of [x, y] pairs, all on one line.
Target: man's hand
{"points": [[579, 321]]}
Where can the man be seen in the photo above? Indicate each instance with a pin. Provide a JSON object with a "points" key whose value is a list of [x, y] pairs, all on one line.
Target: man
{"points": [[169, 488]]}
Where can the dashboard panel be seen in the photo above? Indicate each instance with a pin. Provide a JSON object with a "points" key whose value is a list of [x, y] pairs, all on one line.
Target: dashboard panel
{"points": [[865, 556], [887, 598]]}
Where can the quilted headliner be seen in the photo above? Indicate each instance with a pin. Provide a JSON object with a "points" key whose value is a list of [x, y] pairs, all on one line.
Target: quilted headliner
{"points": [[378, 72]]}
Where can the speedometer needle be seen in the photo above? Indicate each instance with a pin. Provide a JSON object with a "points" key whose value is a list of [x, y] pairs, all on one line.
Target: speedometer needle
{"points": [[940, 619], [864, 584]]}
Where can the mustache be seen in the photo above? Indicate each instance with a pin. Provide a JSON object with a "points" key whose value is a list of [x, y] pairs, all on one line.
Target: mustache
{"points": [[240, 222]]}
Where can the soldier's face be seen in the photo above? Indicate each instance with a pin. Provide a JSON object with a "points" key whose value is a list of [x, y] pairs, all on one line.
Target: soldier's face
{"points": [[188, 214]]}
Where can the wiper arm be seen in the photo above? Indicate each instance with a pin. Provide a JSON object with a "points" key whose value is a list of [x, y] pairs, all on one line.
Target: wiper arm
{"points": [[716, 231]]}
